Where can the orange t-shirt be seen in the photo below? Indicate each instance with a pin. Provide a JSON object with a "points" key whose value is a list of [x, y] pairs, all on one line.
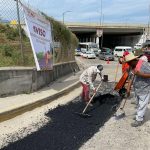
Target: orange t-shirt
{"points": [[125, 66]]}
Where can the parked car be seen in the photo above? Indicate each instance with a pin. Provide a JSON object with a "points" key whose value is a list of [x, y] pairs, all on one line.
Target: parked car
{"points": [[77, 52], [106, 56], [83, 53], [105, 49], [89, 46], [138, 46], [89, 54]]}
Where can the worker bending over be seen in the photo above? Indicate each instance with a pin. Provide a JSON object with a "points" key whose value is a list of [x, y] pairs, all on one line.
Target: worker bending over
{"points": [[87, 78]]}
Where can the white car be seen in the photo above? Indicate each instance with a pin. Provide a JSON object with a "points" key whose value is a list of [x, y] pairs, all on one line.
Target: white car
{"points": [[89, 54], [138, 46], [82, 54]]}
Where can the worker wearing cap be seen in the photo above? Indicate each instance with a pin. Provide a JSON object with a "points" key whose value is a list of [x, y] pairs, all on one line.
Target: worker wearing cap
{"points": [[141, 85], [87, 78]]}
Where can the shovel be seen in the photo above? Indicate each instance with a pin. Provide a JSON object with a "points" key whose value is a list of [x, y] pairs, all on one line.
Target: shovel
{"points": [[83, 114], [121, 114]]}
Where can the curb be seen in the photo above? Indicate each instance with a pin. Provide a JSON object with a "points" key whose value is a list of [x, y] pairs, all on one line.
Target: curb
{"points": [[28, 107]]}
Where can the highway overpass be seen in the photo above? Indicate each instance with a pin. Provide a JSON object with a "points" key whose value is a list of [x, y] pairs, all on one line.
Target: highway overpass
{"points": [[113, 34]]}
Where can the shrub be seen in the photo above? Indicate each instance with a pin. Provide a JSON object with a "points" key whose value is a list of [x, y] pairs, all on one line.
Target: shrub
{"points": [[6, 50], [2, 28], [11, 33]]}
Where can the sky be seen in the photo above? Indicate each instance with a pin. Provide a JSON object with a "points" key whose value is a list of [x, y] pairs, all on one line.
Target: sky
{"points": [[113, 11]]}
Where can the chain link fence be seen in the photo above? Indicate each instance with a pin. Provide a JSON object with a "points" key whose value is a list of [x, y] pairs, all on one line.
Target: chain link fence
{"points": [[15, 47]]}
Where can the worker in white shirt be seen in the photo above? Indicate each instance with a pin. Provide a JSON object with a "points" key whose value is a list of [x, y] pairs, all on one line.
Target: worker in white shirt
{"points": [[87, 78]]}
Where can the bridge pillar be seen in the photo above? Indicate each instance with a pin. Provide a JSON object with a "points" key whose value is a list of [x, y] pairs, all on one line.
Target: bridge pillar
{"points": [[97, 41]]}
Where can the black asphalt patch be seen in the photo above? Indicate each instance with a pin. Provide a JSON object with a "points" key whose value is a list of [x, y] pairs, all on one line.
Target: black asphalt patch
{"points": [[67, 130]]}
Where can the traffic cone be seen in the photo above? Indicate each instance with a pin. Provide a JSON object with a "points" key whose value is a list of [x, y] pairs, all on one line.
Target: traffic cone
{"points": [[108, 61]]}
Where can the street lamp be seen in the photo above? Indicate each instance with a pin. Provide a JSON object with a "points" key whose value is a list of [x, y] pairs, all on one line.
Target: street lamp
{"points": [[64, 15], [101, 22]]}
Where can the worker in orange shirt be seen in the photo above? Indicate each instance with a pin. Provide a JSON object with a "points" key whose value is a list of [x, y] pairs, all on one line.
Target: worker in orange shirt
{"points": [[125, 66]]}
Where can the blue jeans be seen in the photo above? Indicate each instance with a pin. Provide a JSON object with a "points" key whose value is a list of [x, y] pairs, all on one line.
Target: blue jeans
{"points": [[142, 106]]}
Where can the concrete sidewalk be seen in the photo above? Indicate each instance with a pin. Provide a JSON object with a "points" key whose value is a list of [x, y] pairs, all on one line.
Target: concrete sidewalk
{"points": [[18, 104]]}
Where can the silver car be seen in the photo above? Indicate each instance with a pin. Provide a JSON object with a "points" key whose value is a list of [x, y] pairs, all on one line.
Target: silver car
{"points": [[89, 54], [106, 56]]}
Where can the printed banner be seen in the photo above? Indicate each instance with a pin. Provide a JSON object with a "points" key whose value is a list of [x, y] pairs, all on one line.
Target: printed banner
{"points": [[39, 31]]}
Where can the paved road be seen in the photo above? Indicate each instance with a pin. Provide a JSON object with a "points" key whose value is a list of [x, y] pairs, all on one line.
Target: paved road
{"points": [[66, 130], [88, 62], [62, 129]]}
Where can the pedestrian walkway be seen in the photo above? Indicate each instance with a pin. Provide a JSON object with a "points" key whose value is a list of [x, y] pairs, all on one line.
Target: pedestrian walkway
{"points": [[14, 105]]}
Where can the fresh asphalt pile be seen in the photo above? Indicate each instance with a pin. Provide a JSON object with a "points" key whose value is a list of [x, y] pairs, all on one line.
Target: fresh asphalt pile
{"points": [[67, 130]]}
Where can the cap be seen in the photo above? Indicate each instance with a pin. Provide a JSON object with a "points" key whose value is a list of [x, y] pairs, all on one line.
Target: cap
{"points": [[99, 68]]}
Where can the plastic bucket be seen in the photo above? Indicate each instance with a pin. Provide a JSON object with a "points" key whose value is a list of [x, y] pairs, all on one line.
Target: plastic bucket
{"points": [[105, 78]]}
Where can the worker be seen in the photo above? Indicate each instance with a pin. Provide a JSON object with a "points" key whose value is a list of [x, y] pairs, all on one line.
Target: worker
{"points": [[141, 59], [125, 66], [87, 78], [141, 86], [144, 58]]}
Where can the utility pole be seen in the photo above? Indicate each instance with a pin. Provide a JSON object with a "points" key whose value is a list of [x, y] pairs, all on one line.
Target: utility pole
{"points": [[102, 30], [101, 24], [19, 27], [101, 14]]}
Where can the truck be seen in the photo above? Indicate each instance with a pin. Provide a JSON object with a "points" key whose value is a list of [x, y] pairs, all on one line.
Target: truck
{"points": [[89, 46]]}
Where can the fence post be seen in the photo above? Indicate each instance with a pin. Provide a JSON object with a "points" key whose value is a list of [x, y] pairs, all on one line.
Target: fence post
{"points": [[52, 32], [20, 34]]}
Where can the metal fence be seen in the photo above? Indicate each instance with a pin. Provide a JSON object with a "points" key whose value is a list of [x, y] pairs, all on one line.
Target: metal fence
{"points": [[15, 47]]}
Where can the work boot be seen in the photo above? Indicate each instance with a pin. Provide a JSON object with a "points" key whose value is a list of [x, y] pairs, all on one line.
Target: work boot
{"points": [[136, 123]]}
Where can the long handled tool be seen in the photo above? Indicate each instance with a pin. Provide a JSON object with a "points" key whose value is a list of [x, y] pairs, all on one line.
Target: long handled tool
{"points": [[121, 114], [83, 114], [116, 72]]}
